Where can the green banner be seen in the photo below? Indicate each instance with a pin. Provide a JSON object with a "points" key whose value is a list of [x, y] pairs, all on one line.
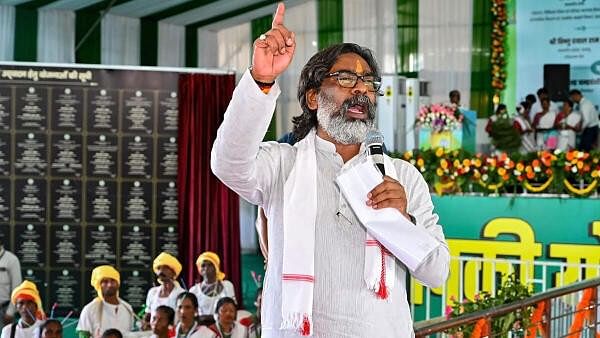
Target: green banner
{"points": [[526, 229]]}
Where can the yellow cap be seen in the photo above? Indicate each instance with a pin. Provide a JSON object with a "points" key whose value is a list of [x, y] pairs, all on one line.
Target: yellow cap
{"points": [[28, 290], [167, 259], [101, 272], [214, 259]]}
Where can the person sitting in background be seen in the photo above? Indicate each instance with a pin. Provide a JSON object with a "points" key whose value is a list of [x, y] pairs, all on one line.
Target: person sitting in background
{"points": [[252, 323], [10, 278], [51, 328], [225, 326], [167, 268], [187, 309], [108, 310], [522, 125], [504, 137], [501, 109], [543, 123], [536, 107], [26, 298], [530, 98], [112, 333], [590, 120], [454, 97], [568, 123], [162, 322], [213, 286]]}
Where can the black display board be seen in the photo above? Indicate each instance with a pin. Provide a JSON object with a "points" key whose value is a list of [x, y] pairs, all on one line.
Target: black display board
{"points": [[5, 153], [65, 291], [5, 200], [88, 172], [66, 250]]}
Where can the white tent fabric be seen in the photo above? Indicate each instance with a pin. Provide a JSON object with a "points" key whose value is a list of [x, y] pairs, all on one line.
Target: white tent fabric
{"points": [[301, 20], [208, 55], [445, 43], [171, 45], [120, 40], [56, 36], [372, 24], [7, 32], [234, 47]]}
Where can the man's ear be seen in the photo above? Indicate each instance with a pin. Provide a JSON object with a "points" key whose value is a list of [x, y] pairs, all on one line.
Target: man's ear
{"points": [[311, 99]]}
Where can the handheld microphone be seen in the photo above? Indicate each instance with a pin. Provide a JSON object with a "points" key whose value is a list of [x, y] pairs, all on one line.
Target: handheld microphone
{"points": [[374, 143]]}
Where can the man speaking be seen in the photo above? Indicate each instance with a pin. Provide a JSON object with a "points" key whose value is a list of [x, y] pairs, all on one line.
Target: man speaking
{"points": [[326, 276]]}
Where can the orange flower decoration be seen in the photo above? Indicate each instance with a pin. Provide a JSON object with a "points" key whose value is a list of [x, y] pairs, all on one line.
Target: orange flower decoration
{"points": [[546, 158], [444, 163], [570, 155]]}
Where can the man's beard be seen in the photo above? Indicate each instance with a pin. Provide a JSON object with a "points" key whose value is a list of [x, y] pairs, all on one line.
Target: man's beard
{"points": [[334, 122]]}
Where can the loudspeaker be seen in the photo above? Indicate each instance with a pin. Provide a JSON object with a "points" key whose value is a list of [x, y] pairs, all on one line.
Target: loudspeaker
{"points": [[556, 80]]}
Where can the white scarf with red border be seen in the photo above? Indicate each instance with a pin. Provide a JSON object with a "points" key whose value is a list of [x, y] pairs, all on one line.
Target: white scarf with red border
{"points": [[298, 277]]}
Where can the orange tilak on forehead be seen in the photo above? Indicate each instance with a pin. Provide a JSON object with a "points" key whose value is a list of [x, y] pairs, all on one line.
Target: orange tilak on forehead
{"points": [[359, 68]]}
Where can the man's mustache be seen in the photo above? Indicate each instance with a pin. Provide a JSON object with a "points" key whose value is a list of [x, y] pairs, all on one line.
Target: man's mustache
{"points": [[163, 275], [359, 100]]}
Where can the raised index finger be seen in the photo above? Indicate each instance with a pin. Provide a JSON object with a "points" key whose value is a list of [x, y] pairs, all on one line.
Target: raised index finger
{"points": [[278, 18]]}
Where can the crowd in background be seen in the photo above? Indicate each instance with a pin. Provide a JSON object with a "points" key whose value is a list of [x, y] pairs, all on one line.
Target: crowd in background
{"points": [[207, 310], [547, 125]]}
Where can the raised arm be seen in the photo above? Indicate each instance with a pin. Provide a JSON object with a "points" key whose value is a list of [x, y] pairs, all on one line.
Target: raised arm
{"points": [[235, 154]]}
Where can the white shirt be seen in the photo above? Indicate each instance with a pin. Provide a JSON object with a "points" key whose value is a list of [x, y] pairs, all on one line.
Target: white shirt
{"points": [[537, 107], [98, 316], [10, 277], [153, 300], [566, 138], [238, 331], [342, 304], [207, 304], [28, 332], [588, 113], [527, 140], [194, 332]]}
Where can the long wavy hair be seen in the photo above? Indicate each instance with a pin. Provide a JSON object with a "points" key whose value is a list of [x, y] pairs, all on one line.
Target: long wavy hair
{"points": [[312, 76]]}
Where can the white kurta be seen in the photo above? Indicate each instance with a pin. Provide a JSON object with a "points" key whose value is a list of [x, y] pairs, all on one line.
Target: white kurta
{"points": [[208, 304], [153, 300], [527, 139], [343, 306], [537, 107], [588, 113], [238, 331], [10, 278], [27, 332], [545, 122], [98, 316], [566, 138]]}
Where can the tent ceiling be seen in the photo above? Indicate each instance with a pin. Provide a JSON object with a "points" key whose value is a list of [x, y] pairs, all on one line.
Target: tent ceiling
{"points": [[12, 2], [179, 12], [72, 5]]}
